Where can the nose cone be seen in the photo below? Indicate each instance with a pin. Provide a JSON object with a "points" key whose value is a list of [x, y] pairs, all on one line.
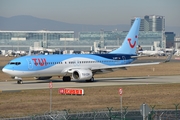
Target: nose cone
{"points": [[4, 70], [7, 71]]}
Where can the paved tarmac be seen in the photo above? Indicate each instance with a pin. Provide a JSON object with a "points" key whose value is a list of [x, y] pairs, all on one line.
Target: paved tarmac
{"points": [[41, 84]]}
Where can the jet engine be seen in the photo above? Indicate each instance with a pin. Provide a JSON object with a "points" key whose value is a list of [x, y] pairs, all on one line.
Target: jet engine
{"points": [[82, 74]]}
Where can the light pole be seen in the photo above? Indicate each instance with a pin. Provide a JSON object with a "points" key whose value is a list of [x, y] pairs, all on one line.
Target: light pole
{"points": [[50, 88]]}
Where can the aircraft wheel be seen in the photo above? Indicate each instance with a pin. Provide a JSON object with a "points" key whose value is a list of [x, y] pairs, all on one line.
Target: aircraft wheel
{"points": [[91, 80], [66, 78], [19, 82]]}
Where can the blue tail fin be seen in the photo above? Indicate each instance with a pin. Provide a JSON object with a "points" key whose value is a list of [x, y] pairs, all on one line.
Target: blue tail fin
{"points": [[130, 42]]}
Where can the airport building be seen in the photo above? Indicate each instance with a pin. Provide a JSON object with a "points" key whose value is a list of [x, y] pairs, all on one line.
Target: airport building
{"points": [[22, 40], [152, 36], [152, 23], [149, 40], [177, 43], [170, 38], [87, 41]]}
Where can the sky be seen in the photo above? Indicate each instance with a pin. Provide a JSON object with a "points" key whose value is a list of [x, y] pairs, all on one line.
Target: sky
{"points": [[94, 12]]}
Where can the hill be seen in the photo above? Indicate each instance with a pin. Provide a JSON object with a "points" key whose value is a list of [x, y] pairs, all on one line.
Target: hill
{"points": [[27, 23]]}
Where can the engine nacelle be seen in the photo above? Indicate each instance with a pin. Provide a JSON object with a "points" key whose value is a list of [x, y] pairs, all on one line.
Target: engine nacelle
{"points": [[43, 78], [82, 74]]}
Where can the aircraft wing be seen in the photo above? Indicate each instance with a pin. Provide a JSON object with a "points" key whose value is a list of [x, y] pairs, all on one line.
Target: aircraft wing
{"points": [[130, 65], [124, 66], [97, 70], [139, 56]]}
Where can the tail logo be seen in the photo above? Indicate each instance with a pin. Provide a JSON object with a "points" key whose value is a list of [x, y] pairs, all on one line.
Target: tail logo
{"points": [[132, 45]]}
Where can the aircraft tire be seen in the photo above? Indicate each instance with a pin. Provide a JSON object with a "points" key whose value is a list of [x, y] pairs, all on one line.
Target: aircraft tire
{"points": [[19, 82], [66, 79], [91, 80]]}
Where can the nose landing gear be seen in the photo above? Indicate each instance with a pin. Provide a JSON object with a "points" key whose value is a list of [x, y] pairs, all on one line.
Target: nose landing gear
{"points": [[19, 80]]}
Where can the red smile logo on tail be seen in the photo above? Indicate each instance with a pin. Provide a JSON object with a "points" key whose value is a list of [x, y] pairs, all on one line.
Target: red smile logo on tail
{"points": [[132, 45]]}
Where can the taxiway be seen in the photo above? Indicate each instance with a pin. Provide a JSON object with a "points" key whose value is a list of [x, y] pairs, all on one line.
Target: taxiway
{"points": [[29, 85]]}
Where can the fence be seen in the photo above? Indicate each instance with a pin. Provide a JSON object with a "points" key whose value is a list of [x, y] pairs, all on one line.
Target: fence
{"points": [[108, 114]]}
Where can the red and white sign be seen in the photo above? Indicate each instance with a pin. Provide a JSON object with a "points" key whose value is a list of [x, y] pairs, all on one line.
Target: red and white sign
{"points": [[120, 91], [71, 91], [50, 85], [61, 90]]}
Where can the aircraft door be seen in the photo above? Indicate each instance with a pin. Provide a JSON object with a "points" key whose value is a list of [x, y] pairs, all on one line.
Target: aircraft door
{"points": [[77, 63], [30, 64]]}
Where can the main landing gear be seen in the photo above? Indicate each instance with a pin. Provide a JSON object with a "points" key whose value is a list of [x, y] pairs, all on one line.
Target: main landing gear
{"points": [[90, 80], [66, 79]]}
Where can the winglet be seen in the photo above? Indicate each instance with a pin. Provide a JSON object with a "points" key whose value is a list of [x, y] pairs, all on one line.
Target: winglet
{"points": [[170, 56]]}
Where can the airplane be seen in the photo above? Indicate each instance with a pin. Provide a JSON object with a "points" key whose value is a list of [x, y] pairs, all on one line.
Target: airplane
{"points": [[12, 53], [77, 66], [151, 53]]}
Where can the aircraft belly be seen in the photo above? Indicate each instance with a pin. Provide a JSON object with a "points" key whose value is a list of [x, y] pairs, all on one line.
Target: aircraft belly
{"points": [[52, 71]]}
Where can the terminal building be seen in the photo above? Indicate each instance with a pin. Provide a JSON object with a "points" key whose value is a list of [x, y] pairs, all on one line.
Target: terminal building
{"points": [[22, 40], [152, 36]]}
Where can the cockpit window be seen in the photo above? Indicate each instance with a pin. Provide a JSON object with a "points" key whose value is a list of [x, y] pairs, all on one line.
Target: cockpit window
{"points": [[15, 63]]}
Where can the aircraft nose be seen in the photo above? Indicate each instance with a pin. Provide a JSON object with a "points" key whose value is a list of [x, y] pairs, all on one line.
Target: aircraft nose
{"points": [[4, 70], [8, 71]]}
